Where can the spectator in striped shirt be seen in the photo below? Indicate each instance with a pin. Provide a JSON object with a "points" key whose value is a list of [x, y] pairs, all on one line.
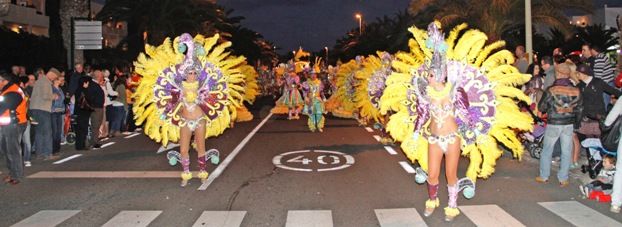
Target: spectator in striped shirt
{"points": [[603, 68]]}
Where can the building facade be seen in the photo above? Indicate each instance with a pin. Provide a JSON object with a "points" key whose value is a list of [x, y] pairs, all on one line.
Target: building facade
{"points": [[26, 16]]}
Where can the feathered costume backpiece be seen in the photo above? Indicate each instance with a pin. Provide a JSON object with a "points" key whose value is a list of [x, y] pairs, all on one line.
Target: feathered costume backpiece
{"points": [[372, 82], [342, 102], [483, 92], [160, 93]]}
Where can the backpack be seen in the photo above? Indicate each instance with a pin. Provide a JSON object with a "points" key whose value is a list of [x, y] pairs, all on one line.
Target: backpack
{"points": [[610, 136]]}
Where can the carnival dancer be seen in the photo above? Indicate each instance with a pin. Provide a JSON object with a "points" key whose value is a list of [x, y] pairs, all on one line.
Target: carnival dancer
{"points": [[291, 95], [192, 97], [450, 104], [314, 102], [373, 76]]}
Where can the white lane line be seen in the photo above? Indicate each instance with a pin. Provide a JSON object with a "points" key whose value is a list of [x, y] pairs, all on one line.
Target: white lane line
{"points": [[67, 159], [230, 157], [489, 216], [106, 174], [104, 139], [132, 135], [168, 147], [369, 129], [407, 167], [220, 219], [107, 144], [399, 217], [579, 214], [47, 218], [133, 218], [309, 218], [390, 150], [377, 137]]}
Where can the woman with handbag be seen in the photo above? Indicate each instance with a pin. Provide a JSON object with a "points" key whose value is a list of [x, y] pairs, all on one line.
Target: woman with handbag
{"points": [[83, 111], [613, 118]]}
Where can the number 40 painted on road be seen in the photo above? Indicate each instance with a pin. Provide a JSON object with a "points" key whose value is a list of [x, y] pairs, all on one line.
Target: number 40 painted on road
{"points": [[332, 159]]}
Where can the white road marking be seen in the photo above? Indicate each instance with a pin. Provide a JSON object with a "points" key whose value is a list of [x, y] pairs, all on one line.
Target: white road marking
{"points": [[168, 147], [377, 137], [133, 218], [399, 217], [107, 144], [309, 218], [489, 216], [390, 150], [579, 214], [407, 167], [369, 129], [220, 219], [107, 174], [234, 153], [132, 135], [104, 139], [46, 218], [67, 159]]}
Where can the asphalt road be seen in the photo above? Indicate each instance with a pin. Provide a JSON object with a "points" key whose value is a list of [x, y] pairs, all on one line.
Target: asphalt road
{"points": [[363, 184]]}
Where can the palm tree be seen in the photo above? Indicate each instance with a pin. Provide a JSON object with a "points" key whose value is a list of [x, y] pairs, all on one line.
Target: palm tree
{"points": [[495, 17]]}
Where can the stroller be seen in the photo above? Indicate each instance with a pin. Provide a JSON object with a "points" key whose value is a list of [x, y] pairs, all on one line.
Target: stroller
{"points": [[596, 152], [532, 141], [69, 129]]}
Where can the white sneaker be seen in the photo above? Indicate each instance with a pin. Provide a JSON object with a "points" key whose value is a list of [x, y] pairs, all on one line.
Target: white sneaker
{"points": [[27, 164], [63, 143], [615, 209]]}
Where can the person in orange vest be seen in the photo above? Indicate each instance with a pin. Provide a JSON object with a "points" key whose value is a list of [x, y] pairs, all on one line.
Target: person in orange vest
{"points": [[12, 125]]}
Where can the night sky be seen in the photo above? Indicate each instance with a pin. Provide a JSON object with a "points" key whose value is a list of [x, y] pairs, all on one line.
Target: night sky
{"points": [[312, 24]]}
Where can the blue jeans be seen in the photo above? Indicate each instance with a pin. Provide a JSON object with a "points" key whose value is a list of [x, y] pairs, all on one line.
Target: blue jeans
{"points": [[26, 144], [57, 131], [43, 132], [553, 133], [117, 118]]}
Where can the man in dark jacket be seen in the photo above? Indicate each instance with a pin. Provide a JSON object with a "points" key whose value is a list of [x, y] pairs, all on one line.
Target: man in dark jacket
{"points": [[563, 103], [592, 89], [74, 78], [98, 98]]}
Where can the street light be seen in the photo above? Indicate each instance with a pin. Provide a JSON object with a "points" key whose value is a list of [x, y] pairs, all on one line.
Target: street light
{"points": [[360, 18]]}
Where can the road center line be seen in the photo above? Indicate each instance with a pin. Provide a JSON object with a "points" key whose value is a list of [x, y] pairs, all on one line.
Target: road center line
{"points": [[369, 129], [390, 150], [231, 156], [67, 159], [407, 167]]}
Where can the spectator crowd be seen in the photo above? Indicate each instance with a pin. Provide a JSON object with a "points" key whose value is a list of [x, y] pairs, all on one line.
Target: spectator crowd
{"points": [[43, 110]]}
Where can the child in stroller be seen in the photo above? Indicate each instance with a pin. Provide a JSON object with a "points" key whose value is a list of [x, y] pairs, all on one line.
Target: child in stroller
{"points": [[595, 160]]}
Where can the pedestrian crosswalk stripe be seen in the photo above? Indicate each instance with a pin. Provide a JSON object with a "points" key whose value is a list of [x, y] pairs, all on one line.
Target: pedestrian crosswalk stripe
{"points": [[377, 137], [107, 174], [220, 219], [489, 216], [579, 214], [46, 218], [132, 135], [405, 217], [133, 218], [369, 129], [309, 218]]}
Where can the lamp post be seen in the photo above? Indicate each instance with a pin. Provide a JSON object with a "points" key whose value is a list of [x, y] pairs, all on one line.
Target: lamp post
{"points": [[360, 18], [528, 32], [326, 48]]}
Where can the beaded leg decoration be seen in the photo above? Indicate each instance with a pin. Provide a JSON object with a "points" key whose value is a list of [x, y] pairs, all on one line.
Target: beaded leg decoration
{"points": [[451, 211], [186, 175], [433, 202], [202, 173]]}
